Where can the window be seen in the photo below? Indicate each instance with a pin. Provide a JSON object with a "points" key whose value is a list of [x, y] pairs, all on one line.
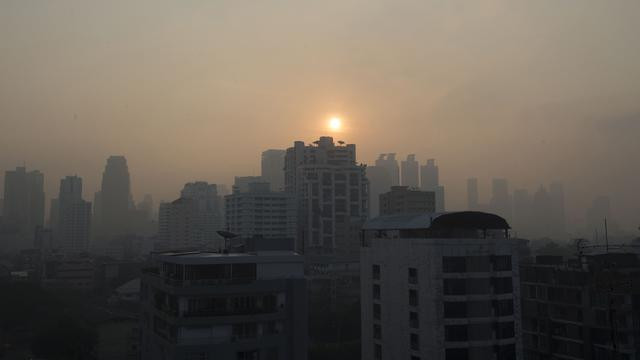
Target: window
{"points": [[503, 307], [248, 355], [455, 310], [413, 276], [501, 263], [413, 297], [414, 322], [454, 264], [376, 291], [478, 264], [457, 354], [377, 310], [377, 331], [455, 287], [376, 272], [456, 333], [414, 342], [505, 330], [377, 351], [502, 285]]}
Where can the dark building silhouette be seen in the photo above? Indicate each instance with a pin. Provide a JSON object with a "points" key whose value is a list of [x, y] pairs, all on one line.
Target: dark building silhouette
{"points": [[430, 181], [272, 165], [500, 198], [410, 172], [114, 198], [585, 308], [389, 162], [405, 200], [379, 182], [23, 208], [71, 217], [472, 194]]}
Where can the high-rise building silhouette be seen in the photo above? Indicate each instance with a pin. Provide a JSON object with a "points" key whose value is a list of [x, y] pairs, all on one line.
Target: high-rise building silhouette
{"points": [[556, 197], [473, 197], [522, 213], [379, 183], [389, 162], [71, 223], [272, 165], [192, 221], [430, 181], [410, 172], [241, 183], [23, 207], [261, 212], [440, 286], [331, 191], [248, 305], [114, 198], [405, 200], [500, 198]]}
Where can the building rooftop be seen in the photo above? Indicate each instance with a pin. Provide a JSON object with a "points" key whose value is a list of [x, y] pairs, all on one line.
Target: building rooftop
{"points": [[438, 221], [202, 258]]}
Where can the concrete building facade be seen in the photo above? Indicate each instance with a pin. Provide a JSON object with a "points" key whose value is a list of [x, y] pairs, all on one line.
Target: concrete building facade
{"points": [[440, 287], [403, 200], [224, 306]]}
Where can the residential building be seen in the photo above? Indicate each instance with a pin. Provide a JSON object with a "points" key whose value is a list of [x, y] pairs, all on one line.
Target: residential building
{"points": [[332, 196], [23, 206], [389, 163], [582, 308], [404, 200], [410, 172], [430, 181], [71, 217], [379, 183], [260, 212], [440, 286], [240, 306], [272, 166]]}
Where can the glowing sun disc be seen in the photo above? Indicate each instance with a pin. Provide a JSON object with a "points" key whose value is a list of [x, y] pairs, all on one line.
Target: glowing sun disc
{"points": [[335, 123]]}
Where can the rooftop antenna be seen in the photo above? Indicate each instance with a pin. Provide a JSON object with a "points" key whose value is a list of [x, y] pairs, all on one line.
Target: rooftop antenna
{"points": [[606, 236]]}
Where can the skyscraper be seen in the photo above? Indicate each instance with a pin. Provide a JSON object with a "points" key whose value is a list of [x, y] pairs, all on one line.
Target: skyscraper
{"points": [[115, 198], [556, 197], [389, 162], [430, 181], [73, 217], [500, 198], [379, 183], [410, 174], [473, 201], [23, 204], [331, 190], [272, 166]]}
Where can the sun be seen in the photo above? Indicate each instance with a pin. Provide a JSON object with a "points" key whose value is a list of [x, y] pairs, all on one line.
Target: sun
{"points": [[335, 123]]}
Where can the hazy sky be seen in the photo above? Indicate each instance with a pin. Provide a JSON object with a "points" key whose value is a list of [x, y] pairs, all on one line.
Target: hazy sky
{"points": [[534, 91]]}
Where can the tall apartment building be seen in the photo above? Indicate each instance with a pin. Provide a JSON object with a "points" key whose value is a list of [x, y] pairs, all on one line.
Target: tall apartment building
{"points": [[440, 286], [379, 183], [585, 308], [410, 172], [236, 306], [389, 163], [71, 217], [114, 200], [403, 200], [272, 168], [261, 212], [331, 192], [23, 206], [430, 181]]}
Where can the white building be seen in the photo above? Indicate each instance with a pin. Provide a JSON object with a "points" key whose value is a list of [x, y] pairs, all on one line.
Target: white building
{"points": [[440, 287], [261, 212], [331, 192]]}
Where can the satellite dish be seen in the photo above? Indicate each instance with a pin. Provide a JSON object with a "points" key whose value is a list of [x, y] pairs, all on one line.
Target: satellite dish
{"points": [[227, 234]]}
